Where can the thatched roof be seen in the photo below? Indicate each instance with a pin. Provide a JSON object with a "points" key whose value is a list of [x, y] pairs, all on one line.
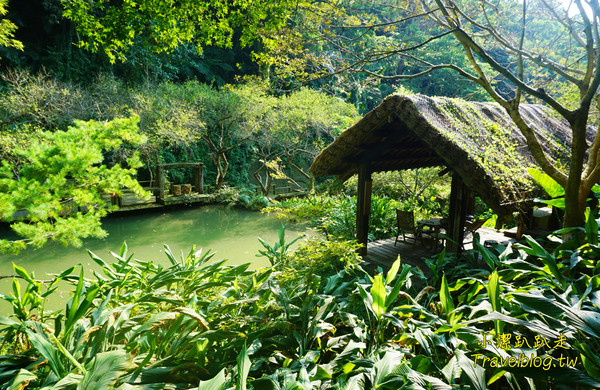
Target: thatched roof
{"points": [[478, 141]]}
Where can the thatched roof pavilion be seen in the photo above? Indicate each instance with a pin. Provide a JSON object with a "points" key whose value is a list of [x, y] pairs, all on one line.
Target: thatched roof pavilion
{"points": [[478, 142]]}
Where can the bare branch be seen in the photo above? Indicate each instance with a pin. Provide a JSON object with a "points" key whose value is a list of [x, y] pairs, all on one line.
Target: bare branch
{"points": [[386, 24], [538, 59], [464, 38], [567, 23], [520, 69]]}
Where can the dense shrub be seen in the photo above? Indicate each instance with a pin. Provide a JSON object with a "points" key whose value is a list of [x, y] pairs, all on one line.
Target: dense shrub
{"points": [[335, 215], [230, 129], [291, 326]]}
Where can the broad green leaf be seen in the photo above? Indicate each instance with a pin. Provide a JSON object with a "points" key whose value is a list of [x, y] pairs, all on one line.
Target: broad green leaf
{"points": [[216, 383], [496, 376], [452, 370], [68, 382], [22, 379], [378, 293], [385, 366], [350, 353], [493, 289], [22, 273], [44, 347], [490, 259], [552, 188], [73, 304], [421, 363], [392, 272], [123, 251], [243, 368], [445, 297], [104, 370], [391, 297], [476, 374], [591, 228], [549, 261]]}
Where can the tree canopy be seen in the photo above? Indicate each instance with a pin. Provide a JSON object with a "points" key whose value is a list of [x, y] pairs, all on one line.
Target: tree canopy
{"points": [[514, 51], [115, 27]]}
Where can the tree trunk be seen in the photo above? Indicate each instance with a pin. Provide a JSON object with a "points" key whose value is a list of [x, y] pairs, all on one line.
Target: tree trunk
{"points": [[265, 186], [222, 165], [575, 195]]}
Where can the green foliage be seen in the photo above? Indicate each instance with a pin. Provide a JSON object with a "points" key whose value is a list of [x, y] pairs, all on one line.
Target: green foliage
{"points": [[277, 254], [324, 257], [57, 192], [309, 324], [420, 190], [336, 215], [115, 28], [293, 131], [7, 29]]}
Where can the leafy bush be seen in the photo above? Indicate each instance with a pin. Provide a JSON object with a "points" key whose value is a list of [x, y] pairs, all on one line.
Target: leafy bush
{"points": [[336, 215], [215, 326], [322, 257], [420, 190], [245, 198]]}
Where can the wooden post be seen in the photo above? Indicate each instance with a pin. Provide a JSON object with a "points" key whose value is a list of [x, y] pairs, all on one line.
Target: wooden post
{"points": [[199, 178], [459, 197], [160, 176], [363, 207]]}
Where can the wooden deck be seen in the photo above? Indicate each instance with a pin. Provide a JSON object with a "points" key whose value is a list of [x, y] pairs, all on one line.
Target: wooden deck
{"points": [[383, 253]]}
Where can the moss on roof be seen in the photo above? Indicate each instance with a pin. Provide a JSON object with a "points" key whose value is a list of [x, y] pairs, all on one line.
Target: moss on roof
{"points": [[479, 141]]}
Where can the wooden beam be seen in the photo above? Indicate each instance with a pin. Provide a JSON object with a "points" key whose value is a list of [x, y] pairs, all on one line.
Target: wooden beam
{"points": [[458, 210], [363, 207], [444, 171], [394, 165]]}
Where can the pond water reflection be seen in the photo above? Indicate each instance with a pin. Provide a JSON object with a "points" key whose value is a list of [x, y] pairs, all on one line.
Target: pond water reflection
{"points": [[230, 233]]}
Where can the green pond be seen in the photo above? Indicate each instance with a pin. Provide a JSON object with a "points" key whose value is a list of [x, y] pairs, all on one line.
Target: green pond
{"points": [[230, 233]]}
